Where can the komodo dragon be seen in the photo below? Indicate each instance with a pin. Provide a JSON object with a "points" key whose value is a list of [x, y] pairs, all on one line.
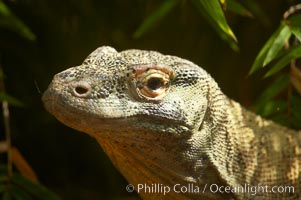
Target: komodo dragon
{"points": [[165, 124]]}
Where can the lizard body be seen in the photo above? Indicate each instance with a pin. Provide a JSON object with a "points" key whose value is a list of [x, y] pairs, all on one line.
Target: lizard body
{"points": [[162, 119]]}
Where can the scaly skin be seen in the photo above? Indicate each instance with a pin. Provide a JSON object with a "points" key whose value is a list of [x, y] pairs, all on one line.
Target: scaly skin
{"points": [[163, 120]]}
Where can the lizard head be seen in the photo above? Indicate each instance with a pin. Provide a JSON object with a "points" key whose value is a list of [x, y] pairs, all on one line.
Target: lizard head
{"points": [[138, 103], [130, 90]]}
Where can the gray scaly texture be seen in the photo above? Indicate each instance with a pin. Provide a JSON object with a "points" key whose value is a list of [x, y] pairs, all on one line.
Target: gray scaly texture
{"points": [[162, 119]]}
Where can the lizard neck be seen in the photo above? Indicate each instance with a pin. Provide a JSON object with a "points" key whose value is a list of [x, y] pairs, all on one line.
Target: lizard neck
{"points": [[165, 163], [228, 134], [247, 149], [225, 131]]}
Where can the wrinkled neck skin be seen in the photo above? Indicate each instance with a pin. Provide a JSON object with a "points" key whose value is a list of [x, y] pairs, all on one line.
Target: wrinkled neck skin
{"points": [[147, 157], [166, 162]]}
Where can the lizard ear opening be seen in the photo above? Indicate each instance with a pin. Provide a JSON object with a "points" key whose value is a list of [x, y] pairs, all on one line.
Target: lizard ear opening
{"points": [[151, 82]]}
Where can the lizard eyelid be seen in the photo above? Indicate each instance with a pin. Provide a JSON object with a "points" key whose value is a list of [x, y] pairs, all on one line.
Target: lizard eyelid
{"points": [[151, 82]]}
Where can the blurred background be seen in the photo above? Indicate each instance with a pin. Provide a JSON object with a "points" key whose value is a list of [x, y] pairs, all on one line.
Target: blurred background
{"points": [[61, 34]]}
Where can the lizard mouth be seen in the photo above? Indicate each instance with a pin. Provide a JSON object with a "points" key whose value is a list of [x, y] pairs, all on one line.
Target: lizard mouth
{"points": [[91, 123], [80, 118], [48, 100]]}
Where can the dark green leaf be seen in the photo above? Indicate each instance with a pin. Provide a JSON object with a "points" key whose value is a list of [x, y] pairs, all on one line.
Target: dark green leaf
{"points": [[19, 194], [258, 63], [296, 124], [154, 18], [282, 119], [213, 12], [257, 11], [297, 32], [294, 20], [269, 93], [294, 23], [273, 107], [277, 45], [9, 21], [292, 53], [296, 111], [297, 115], [11, 100], [4, 11], [237, 8], [272, 91], [34, 189], [296, 102]]}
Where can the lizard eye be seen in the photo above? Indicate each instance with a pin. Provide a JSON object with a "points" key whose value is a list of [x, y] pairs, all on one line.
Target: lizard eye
{"points": [[152, 82], [154, 85]]}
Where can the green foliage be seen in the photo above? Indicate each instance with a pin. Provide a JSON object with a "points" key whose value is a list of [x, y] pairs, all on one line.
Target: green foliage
{"points": [[9, 21], [18, 187], [262, 57], [277, 45], [294, 23], [296, 111], [276, 54], [237, 8], [291, 54], [256, 10], [155, 17], [10, 99], [269, 105], [272, 91], [272, 50], [210, 9]]}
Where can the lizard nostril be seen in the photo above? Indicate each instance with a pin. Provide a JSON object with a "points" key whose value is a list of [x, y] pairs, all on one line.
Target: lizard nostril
{"points": [[82, 89]]}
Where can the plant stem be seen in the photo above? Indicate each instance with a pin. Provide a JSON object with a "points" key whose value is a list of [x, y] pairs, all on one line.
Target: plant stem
{"points": [[6, 128]]}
